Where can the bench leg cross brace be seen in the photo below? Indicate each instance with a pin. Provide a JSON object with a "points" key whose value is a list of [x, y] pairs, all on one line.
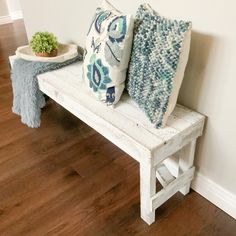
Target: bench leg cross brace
{"points": [[149, 198]]}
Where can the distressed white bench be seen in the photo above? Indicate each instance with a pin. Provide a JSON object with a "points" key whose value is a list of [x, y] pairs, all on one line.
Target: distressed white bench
{"points": [[165, 154]]}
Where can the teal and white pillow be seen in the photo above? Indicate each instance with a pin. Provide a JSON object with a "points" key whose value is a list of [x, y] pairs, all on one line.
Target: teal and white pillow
{"points": [[158, 60], [107, 53]]}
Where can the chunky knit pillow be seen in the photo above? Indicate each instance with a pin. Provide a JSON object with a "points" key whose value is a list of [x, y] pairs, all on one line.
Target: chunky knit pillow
{"points": [[158, 60], [107, 54]]}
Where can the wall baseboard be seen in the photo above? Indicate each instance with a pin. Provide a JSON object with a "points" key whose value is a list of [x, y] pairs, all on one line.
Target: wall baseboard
{"points": [[214, 193], [210, 190], [15, 15], [9, 18], [5, 19]]}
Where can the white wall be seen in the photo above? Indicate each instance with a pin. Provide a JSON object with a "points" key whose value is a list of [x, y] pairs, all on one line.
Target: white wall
{"points": [[69, 20], [209, 83], [9, 10], [4, 13], [14, 9], [3, 8]]}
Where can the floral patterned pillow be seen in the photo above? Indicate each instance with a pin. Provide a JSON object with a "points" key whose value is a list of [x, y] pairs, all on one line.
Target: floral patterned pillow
{"points": [[107, 53]]}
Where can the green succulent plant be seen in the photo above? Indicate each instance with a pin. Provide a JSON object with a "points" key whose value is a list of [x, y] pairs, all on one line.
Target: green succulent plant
{"points": [[43, 42]]}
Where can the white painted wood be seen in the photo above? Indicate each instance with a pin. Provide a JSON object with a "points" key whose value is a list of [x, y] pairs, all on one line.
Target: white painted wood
{"points": [[102, 118], [171, 146], [12, 59], [65, 52], [70, 91], [164, 176], [172, 164], [186, 158], [182, 161], [172, 188], [147, 191], [128, 128]]}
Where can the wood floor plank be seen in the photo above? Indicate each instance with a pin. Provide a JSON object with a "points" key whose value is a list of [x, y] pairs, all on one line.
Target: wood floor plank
{"points": [[76, 199]]}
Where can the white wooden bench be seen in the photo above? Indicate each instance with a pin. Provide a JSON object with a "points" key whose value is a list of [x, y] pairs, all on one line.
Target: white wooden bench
{"points": [[165, 154]]}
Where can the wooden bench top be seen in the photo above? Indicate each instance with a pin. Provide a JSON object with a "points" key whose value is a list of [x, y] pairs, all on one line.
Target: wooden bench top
{"points": [[125, 125]]}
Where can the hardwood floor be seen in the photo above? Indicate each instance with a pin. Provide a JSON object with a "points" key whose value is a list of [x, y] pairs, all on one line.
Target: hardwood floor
{"points": [[65, 179]]}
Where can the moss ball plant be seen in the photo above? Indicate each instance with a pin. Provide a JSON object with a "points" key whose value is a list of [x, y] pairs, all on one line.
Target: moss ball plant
{"points": [[44, 44]]}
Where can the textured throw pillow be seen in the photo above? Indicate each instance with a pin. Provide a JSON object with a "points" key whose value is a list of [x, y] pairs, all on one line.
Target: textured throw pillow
{"points": [[158, 60], [107, 54]]}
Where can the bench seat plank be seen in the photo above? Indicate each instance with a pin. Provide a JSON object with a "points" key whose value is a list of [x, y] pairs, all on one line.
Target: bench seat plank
{"points": [[125, 125]]}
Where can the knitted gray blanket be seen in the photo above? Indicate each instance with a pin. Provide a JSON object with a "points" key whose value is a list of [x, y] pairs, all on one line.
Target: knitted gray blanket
{"points": [[27, 98]]}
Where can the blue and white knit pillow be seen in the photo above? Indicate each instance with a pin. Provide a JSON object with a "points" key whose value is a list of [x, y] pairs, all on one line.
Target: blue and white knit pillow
{"points": [[107, 53], [158, 60]]}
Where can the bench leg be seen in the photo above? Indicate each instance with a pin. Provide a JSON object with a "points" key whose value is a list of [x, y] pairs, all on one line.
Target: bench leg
{"points": [[147, 191], [186, 158]]}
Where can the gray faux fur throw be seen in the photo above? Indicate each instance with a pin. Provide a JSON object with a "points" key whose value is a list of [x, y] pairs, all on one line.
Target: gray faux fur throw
{"points": [[27, 98]]}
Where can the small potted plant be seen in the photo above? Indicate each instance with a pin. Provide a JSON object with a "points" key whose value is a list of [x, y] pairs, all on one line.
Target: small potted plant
{"points": [[44, 44]]}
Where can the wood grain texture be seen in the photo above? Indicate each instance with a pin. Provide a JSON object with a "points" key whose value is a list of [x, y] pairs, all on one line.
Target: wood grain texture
{"points": [[66, 179]]}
